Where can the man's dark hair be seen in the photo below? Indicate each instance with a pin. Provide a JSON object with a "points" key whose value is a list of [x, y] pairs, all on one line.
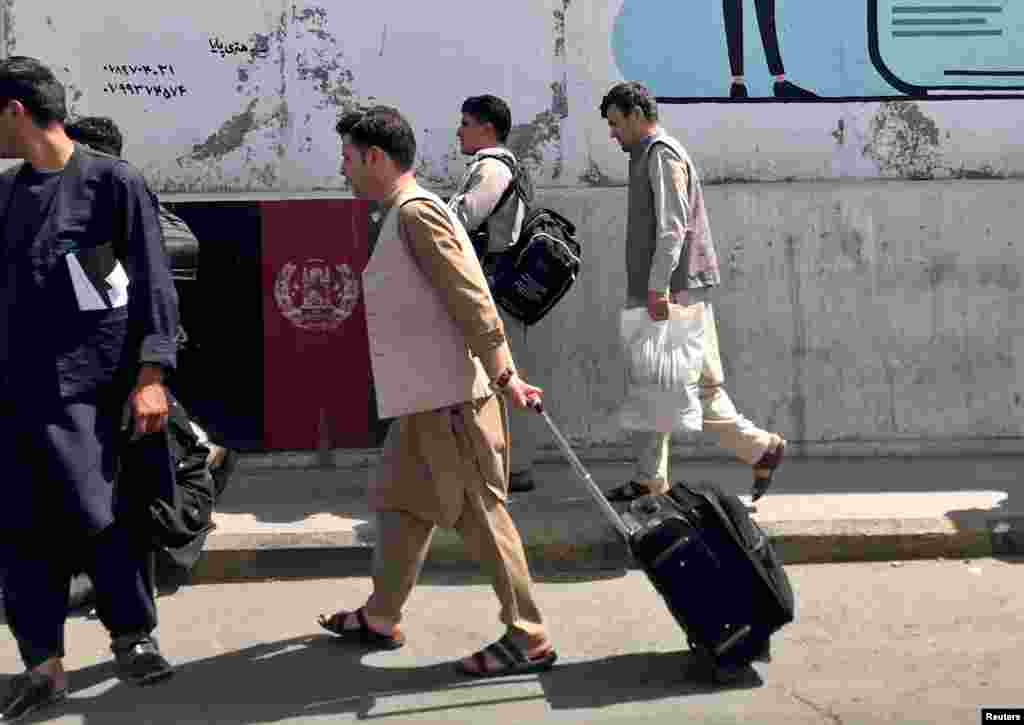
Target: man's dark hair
{"points": [[629, 96], [383, 127], [27, 80], [99, 132], [492, 110]]}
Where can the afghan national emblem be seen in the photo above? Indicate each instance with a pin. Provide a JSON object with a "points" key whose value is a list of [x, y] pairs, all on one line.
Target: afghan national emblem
{"points": [[316, 295]]}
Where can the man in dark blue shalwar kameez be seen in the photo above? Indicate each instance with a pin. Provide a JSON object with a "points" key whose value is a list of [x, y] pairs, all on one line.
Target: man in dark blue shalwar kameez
{"points": [[88, 315]]}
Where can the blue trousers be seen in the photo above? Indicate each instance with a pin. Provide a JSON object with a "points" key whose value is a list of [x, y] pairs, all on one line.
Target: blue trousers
{"points": [[38, 580]]}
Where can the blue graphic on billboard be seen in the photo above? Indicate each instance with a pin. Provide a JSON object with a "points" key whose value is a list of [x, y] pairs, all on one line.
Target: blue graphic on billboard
{"points": [[821, 50]]}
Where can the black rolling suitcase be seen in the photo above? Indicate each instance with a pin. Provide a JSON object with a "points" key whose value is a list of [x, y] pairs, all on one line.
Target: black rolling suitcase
{"points": [[713, 566]]}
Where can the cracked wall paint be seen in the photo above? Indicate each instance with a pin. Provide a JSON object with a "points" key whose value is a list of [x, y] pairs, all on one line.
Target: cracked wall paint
{"points": [[7, 19], [538, 145], [317, 60], [904, 142], [299, 64]]}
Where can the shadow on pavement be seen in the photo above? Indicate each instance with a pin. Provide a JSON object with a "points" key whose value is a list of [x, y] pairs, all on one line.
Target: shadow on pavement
{"points": [[316, 677], [1004, 523]]}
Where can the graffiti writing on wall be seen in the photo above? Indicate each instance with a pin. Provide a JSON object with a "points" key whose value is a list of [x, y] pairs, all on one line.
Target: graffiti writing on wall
{"points": [[259, 48], [148, 70], [807, 50], [146, 89], [149, 90]]}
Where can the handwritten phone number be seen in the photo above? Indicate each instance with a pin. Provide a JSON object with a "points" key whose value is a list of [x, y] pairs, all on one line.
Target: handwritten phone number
{"points": [[128, 69], [140, 89]]}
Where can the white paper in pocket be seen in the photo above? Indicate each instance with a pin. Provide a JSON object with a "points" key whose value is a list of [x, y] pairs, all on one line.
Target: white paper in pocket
{"points": [[88, 297], [117, 282]]}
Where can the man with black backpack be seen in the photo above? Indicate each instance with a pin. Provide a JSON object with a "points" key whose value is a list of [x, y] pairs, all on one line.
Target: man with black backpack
{"points": [[491, 202]]}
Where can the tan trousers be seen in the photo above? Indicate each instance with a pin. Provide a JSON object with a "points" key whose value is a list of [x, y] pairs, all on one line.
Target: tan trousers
{"points": [[491, 537], [721, 419]]}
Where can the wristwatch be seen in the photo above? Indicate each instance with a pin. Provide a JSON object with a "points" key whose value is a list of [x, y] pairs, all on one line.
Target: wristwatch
{"points": [[500, 382]]}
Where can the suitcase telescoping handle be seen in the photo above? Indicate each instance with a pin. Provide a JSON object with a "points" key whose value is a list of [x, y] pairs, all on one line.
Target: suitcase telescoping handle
{"points": [[602, 503]]}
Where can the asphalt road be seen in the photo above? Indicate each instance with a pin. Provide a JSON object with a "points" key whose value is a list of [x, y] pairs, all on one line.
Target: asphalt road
{"points": [[921, 642]]}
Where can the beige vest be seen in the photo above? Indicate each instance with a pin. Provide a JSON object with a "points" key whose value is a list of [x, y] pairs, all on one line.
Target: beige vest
{"points": [[420, 359]]}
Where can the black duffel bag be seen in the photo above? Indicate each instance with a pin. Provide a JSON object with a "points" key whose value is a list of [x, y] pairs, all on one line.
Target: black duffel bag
{"points": [[166, 481]]}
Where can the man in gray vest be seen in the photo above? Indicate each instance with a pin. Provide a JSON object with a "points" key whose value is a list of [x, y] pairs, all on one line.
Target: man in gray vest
{"points": [[670, 257], [484, 205]]}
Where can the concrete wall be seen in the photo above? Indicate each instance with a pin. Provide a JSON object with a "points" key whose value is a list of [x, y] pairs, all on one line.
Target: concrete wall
{"points": [[863, 309], [858, 317]]}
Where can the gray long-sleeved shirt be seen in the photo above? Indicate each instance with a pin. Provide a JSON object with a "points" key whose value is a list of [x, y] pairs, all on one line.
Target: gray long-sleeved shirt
{"points": [[670, 184], [480, 191]]}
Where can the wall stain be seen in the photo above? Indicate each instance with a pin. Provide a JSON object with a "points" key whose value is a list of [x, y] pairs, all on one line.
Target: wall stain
{"points": [[539, 142], [890, 380], [531, 141], [7, 17], [985, 171], [593, 176], [560, 14], [736, 268], [227, 138], [942, 269], [839, 134], [797, 400], [903, 141]]}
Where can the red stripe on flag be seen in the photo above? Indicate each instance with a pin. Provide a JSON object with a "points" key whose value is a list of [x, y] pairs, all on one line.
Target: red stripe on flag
{"points": [[316, 376]]}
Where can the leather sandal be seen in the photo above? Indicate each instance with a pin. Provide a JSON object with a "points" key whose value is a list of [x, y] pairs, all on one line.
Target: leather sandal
{"points": [[335, 624], [512, 658], [768, 463], [629, 491]]}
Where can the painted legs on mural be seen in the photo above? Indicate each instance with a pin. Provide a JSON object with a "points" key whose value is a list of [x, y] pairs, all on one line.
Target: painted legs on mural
{"points": [[732, 13]]}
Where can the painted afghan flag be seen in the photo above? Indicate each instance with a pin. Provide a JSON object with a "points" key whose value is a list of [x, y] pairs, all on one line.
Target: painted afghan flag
{"points": [[279, 355]]}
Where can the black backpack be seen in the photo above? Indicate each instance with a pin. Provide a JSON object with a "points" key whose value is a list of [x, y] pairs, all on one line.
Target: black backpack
{"points": [[529, 277], [181, 245]]}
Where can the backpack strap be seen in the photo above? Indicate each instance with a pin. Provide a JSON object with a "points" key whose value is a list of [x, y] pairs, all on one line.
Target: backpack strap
{"points": [[512, 188]]}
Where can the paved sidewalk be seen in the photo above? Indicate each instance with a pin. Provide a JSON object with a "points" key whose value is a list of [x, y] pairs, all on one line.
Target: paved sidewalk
{"points": [[922, 643], [313, 522]]}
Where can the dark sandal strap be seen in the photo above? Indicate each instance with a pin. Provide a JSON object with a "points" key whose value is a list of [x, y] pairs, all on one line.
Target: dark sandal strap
{"points": [[520, 654], [481, 663], [364, 626], [628, 491], [507, 656]]}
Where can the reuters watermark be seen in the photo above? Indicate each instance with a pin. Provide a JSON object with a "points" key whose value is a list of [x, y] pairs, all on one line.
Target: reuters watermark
{"points": [[1002, 714]]}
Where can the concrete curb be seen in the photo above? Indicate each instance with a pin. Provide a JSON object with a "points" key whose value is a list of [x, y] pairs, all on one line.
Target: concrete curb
{"points": [[246, 557], [361, 458]]}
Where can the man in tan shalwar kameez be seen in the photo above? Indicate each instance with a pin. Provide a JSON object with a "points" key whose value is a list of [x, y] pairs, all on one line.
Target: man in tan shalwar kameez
{"points": [[441, 367]]}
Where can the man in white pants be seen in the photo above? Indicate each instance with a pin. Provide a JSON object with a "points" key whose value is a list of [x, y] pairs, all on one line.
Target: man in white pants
{"points": [[670, 256]]}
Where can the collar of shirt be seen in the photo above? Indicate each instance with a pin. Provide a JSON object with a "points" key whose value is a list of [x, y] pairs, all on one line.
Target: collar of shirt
{"points": [[389, 201], [643, 144], [494, 150]]}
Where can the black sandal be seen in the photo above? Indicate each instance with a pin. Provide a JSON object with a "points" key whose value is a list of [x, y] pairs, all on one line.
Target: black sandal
{"points": [[629, 491], [335, 624], [514, 661], [769, 462]]}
